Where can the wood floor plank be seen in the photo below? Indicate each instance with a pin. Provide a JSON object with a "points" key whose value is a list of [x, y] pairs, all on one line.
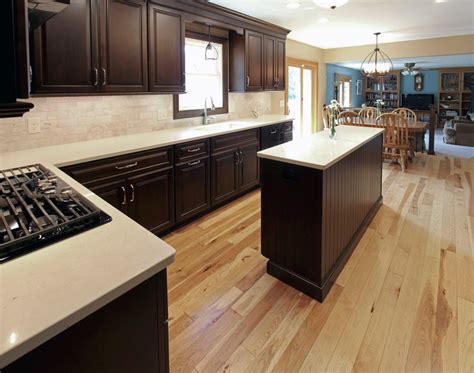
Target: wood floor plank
{"points": [[403, 302], [466, 335]]}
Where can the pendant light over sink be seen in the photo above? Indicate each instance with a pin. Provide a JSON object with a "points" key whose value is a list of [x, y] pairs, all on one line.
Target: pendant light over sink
{"points": [[330, 4], [211, 50], [377, 63]]}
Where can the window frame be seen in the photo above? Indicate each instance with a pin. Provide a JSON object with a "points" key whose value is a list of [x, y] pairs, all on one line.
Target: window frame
{"points": [[177, 114]]}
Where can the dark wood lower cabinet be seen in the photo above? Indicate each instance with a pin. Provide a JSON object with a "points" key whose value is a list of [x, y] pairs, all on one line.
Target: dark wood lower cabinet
{"points": [[192, 188], [249, 167], [224, 175], [130, 334], [313, 219], [113, 192], [150, 200]]}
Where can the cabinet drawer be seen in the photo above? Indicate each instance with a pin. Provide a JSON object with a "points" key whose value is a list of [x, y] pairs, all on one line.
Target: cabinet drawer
{"points": [[227, 142], [191, 151], [117, 166]]}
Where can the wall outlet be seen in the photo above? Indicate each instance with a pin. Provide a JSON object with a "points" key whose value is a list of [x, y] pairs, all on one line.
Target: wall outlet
{"points": [[282, 103], [34, 125]]}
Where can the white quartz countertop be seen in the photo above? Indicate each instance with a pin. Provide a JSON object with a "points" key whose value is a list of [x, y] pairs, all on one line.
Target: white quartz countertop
{"points": [[48, 290], [86, 151], [320, 152]]}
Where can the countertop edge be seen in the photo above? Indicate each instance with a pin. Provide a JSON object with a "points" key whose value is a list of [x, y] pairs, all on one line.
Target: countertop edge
{"points": [[318, 166], [37, 340]]}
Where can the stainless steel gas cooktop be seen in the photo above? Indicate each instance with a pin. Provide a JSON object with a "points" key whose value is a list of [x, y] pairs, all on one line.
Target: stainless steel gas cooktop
{"points": [[37, 208]]}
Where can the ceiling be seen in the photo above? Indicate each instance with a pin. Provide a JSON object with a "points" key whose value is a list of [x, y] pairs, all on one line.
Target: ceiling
{"points": [[354, 23], [436, 62]]}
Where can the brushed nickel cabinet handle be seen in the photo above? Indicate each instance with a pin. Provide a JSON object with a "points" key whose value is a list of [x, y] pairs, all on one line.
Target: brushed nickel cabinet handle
{"points": [[248, 80], [132, 199], [194, 163], [193, 150], [104, 71], [273, 132], [124, 196], [237, 157], [126, 166], [96, 71], [241, 156]]}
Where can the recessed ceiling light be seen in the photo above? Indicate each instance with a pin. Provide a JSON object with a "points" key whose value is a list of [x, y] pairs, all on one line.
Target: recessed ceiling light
{"points": [[323, 20], [440, 1], [330, 4], [293, 5]]}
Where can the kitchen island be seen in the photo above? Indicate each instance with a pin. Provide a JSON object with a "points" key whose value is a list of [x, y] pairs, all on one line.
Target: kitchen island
{"points": [[318, 197]]}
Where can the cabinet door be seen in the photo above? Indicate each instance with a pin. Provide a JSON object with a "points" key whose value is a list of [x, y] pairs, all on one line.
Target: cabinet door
{"points": [[65, 52], [192, 188], [151, 199], [248, 170], [254, 60], [123, 46], [113, 192], [224, 183], [280, 59], [269, 79], [166, 47]]}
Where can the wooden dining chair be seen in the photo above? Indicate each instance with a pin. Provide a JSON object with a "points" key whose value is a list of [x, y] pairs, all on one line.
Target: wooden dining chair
{"points": [[396, 144], [410, 116], [348, 118], [368, 113]]}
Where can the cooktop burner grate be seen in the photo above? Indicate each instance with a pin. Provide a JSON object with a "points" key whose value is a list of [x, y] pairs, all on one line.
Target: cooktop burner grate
{"points": [[38, 208]]}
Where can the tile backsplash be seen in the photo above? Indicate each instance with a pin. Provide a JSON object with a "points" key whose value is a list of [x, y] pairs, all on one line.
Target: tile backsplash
{"points": [[62, 120]]}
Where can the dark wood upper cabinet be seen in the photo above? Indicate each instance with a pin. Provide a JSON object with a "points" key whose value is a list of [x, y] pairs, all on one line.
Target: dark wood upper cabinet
{"points": [[280, 64], [269, 72], [254, 60], [166, 35], [69, 57], [65, 51], [257, 62], [123, 46]]}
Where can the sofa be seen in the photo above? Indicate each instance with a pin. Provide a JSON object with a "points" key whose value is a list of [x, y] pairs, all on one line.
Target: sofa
{"points": [[459, 131]]}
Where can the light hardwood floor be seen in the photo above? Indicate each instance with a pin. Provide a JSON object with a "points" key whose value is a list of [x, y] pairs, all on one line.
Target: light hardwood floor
{"points": [[404, 301]]}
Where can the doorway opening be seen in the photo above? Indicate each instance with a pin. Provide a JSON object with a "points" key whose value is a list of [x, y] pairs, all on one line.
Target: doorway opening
{"points": [[301, 96], [343, 90]]}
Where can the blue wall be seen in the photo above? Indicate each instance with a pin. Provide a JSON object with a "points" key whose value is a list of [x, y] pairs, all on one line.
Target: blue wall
{"points": [[430, 85], [355, 74]]}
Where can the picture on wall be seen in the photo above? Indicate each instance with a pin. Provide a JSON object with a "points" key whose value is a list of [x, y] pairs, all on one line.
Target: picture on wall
{"points": [[359, 88]]}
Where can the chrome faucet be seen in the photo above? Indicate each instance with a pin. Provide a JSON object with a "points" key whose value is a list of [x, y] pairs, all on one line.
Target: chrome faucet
{"points": [[213, 107]]}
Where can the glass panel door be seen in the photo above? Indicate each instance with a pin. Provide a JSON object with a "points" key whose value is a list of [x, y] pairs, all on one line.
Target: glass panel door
{"points": [[302, 97]]}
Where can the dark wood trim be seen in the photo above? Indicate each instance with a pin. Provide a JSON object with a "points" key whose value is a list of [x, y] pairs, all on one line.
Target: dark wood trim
{"points": [[210, 13], [225, 87], [22, 61]]}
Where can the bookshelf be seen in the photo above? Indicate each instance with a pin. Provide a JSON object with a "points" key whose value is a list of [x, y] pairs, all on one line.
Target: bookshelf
{"points": [[455, 87], [385, 88]]}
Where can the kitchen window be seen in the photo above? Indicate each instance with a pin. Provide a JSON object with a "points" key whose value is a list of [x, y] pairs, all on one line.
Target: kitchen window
{"points": [[204, 78]]}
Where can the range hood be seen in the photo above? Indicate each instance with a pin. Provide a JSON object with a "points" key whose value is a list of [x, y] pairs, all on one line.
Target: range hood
{"points": [[39, 11]]}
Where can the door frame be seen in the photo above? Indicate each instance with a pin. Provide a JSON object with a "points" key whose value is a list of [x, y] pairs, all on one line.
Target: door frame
{"points": [[314, 67], [338, 79]]}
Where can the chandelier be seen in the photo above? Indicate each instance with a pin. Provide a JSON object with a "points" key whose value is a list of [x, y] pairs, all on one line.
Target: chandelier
{"points": [[377, 63], [330, 4], [410, 69]]}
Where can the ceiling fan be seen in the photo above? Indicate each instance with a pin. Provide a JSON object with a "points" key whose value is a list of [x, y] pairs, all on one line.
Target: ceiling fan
{"points": [[410, 69]]}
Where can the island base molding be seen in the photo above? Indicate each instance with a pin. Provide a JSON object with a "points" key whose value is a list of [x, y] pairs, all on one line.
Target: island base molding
{"points": [[309, 287]]}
